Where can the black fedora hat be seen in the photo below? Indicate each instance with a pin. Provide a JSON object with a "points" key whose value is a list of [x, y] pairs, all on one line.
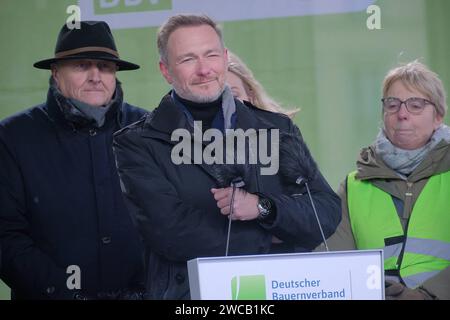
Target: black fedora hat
{"points": [[93, 40]]}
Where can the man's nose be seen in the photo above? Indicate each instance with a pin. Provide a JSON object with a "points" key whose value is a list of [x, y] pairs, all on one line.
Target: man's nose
{"points": [[203, 67], [94, 74]]}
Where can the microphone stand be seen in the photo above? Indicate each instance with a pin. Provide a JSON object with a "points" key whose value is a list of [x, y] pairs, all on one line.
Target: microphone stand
{"points": [[236, 183], [298, 181]]}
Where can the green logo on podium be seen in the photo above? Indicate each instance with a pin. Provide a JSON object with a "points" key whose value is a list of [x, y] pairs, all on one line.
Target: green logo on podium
{"points": [[248, 287]]}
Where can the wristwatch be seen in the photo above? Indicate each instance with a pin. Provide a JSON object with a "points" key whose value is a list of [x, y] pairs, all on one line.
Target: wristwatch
{"points": [[264, 208]]}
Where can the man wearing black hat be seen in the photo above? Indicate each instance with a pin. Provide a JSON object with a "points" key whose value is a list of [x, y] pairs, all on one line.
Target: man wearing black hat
{"points": [[64, 229]]}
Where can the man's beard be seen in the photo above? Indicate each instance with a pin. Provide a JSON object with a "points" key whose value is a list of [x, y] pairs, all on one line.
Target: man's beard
{"points": [[197, 98], [204, 99]]}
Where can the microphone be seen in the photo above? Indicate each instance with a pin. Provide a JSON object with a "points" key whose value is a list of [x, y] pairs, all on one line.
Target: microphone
{"points": [[298, 168], [226, 174], [233, 175]]}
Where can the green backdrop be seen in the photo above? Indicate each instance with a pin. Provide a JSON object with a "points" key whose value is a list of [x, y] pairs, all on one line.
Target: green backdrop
{"points": [[331, 66]]}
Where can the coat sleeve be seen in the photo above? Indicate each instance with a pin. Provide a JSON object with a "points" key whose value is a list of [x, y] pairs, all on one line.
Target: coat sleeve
{"points": [[343, 238], [296, 221], [25, 268], [168, 225], [439, 285]]}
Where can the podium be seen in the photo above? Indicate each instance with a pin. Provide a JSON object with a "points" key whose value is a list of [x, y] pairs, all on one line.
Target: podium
{"points": [[337, 275]]}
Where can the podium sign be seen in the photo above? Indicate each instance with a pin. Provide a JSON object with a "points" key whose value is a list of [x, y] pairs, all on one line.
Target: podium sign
{"points": [[337, 275]]}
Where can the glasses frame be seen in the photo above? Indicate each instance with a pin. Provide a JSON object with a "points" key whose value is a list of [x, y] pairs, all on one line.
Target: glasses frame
{"points": [[405, 102]]}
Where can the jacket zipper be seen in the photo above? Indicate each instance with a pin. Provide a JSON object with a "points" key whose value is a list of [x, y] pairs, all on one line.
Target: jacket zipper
{"points": [[407, 208], [408, 199]]}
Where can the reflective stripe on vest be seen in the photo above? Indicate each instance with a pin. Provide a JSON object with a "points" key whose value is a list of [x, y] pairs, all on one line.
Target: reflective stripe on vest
{"points": [[374, 219]]}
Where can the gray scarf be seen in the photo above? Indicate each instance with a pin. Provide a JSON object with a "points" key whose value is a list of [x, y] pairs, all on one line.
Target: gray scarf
{"points": [[228, 106], [402, 161], [80, 112], [96, 115]]}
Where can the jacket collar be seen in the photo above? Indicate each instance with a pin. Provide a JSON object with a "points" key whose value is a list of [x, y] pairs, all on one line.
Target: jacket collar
{"points": [[168, 117], [371, 166], [55, 103]]}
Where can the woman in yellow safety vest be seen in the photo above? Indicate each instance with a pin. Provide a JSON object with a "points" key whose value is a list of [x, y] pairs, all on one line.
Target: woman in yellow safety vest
{"points": [[398, 199]]}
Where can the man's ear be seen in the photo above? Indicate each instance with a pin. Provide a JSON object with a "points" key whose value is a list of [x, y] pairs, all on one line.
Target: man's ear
{"points": [[225, 55], [165, 71], [55, 73]]}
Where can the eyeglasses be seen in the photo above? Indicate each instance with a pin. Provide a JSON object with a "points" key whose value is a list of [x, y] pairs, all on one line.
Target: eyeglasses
{"points": [[414, 105]]}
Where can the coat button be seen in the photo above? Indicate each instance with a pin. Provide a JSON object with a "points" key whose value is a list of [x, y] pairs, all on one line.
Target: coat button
{"points": [[179, 278], [93, 132], [79, 296], [106, 240], [50, 290]]}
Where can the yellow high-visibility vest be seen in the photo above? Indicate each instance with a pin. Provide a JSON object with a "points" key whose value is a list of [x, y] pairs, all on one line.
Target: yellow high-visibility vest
{"points": [[426, 242]]}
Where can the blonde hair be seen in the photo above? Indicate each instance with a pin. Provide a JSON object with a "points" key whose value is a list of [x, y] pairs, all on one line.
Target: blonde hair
{"points": [[416, 75], [255, 91]]}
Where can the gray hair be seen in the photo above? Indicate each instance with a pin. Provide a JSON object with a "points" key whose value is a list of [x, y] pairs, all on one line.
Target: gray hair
{"points": [[415, 75], [179, 21]]}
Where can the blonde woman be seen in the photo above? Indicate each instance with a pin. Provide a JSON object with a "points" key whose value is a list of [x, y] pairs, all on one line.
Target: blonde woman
{"points": [[397, 199], [244, 86]]}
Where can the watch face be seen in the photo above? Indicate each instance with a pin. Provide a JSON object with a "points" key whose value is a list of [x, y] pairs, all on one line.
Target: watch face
{"points": [[264, 207]]}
